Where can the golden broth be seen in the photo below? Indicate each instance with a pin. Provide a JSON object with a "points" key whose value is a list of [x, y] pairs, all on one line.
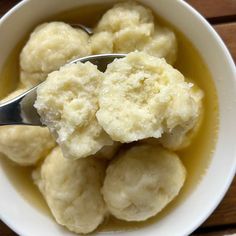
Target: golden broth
{"points": [[196, 157]]}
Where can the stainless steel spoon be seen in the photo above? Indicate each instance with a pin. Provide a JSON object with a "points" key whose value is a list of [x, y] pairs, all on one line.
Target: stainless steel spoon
{"points": [[21, 111]]}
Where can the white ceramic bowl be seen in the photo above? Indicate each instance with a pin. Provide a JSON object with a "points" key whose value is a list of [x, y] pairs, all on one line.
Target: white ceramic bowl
{"points": [[24, 219]]}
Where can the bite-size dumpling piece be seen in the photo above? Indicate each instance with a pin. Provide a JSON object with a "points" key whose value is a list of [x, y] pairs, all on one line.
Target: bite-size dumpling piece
{"points": [[142, 96], [25, 145], [67, 103], [141, 181], [130, 26], [71, 189], [50, 46], [181, 136]]}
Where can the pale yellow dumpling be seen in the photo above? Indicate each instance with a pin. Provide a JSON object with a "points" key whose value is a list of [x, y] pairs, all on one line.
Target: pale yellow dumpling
{"points": [[142, 96], [71, 189], [128, 27], [50, 46], [141, 181]]}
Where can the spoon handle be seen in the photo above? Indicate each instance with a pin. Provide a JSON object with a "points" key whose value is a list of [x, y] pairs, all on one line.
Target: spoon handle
{"points": [[20, 110], [10, 113]]}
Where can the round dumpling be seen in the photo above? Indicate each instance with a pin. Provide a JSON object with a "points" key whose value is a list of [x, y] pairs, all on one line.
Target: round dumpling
{"points": [[67, 103], [72, 190], [129, 24], [142, 96], [25, 145], [50, 46], [128, 27], [141, 181]]}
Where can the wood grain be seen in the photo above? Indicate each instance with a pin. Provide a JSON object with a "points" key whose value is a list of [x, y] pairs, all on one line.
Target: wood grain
{"points": [[214, 8], [223, 220], [228, 34]]}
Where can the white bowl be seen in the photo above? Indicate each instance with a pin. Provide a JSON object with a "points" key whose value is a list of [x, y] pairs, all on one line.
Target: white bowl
{"points": [[24, 219]]}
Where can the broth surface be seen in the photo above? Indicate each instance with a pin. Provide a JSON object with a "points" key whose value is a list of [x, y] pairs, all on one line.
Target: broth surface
{"points": [[196, 157]]}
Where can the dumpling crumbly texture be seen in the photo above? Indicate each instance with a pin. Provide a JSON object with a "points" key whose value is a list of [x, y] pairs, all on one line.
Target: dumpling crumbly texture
{"points": [[142, 96], [130, 26], [125, 15], [101, 42], [181, 136], [67, 103], [141, 181], [50, 46], [72, 190], [25, 145], [163, 44]]}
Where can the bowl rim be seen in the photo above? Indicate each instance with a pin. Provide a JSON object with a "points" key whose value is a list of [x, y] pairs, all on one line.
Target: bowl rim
{"points": [[231, 63], [228, 181]]}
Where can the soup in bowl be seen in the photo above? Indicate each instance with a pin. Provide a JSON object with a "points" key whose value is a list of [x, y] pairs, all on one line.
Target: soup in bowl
{"points": [[132, 180]]}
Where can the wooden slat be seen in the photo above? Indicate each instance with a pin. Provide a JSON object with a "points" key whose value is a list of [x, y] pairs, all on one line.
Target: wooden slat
{"points": [[228, 34], [214, 8]]}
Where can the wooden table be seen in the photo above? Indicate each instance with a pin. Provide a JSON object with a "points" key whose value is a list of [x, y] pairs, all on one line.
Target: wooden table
{"points": [[222, 15]]}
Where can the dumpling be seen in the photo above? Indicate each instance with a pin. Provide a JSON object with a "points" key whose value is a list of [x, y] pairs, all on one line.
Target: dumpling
{"points": [[141, 181], [128, 27], [50, 46], [72, 190], [142, 96]]}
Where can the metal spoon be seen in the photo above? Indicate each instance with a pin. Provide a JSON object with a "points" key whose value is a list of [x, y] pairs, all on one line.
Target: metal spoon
{"points": [[21, 110]]}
